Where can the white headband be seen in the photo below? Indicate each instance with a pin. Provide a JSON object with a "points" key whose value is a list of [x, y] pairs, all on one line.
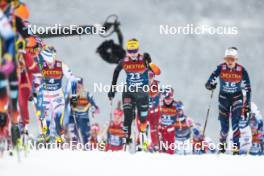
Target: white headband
{"points": [[231, 52]]}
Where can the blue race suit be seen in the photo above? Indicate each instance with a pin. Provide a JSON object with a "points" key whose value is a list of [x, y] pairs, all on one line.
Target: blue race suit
{"points": [[232, 81]]}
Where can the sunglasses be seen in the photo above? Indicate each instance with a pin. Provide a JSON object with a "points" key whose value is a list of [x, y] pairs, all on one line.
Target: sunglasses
{"points": [[132, 51]]}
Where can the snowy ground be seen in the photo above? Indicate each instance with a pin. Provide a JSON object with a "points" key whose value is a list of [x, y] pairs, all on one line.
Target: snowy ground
{"points": [[46, 163]]}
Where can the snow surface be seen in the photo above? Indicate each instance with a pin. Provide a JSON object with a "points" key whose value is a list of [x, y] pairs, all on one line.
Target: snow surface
{"points": [[78, 163]]}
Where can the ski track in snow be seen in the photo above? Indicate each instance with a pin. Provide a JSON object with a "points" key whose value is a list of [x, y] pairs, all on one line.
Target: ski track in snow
{"points": [[69, 163]]}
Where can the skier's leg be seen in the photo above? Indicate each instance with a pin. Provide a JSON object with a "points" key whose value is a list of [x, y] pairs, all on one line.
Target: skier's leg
{"points": [[13, 86], [142, 103], [236, 115], [71, 128], [84, 125], [24, 93], [128, 108], [58, 107], [14, 113], [224, 110], [169, 139], [153, 119], [47, 112], [3, 106]]}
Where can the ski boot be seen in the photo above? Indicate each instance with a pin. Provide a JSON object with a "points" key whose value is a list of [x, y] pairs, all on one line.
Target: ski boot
{"points": [[236, 149], [59, 140], [25, 139], [222, 147], [255, 149], [15, 140], [143, 137], [15, 134]]}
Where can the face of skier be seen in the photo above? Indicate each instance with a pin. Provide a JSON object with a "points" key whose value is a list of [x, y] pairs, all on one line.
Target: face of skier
{"points": [[168, 100], [94, 132], [230, 61], [80, 87], [132, 55], [50, 62], [117, 119], [118, 116]]}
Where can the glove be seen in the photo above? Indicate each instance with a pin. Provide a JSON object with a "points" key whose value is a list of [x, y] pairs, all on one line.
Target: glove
{"points": [[95, 110], [74, 101], [247, 109], [111, 95], [147, 57], [210, 86], [33, 96]]}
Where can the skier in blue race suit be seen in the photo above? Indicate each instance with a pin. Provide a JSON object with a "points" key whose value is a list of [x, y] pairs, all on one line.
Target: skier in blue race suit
{"points": [[233, 78]]}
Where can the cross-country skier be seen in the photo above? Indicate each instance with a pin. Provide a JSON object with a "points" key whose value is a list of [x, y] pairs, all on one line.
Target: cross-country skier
{"points": [[183, 134], [26, 67], [245, 131], [8, 77], [81, 102], [15, 12], [257, 130], [233, 77], [170, 111], [154, 111], [53, 71], [95, 138], [136, 67], [201, 144], [115, 133]]}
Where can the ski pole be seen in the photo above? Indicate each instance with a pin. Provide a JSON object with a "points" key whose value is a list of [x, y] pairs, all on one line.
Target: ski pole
{"points": [[111, 110], [208, 111]]}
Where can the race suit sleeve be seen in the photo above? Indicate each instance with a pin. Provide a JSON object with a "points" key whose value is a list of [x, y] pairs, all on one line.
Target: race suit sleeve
{"points": [[91, 100], [247, 86], [214, 75]]}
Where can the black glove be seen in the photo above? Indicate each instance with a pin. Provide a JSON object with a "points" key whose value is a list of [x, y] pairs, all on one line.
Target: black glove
{"points": [[210, 86], [111, 95], [147, 57], [74, 101], [33, 96]]}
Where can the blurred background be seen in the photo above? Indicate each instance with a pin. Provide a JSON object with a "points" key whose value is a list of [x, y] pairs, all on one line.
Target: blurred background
{"points": [[186, 61]]}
